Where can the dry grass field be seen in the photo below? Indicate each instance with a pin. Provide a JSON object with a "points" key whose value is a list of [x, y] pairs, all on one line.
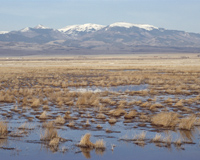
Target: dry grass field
{"points": [[156, 95]]}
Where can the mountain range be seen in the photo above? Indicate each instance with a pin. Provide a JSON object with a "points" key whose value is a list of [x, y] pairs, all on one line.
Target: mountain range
{"points": [[116, 38]]}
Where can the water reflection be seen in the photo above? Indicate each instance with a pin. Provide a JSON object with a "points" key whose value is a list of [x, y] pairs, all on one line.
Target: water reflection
{"points": [[87, 152], [187, 135], [111, 89], [47, 148], [3, 141]]}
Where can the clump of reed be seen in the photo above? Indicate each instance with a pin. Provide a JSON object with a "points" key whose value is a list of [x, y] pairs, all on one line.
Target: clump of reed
{"points": [[169, 101], [71, 124], [85, 141], [108, 101], [87, 123], [187, 123], [54, 143], [168, 140], [99, 126], [50, 132], [178, 142], [45, 107], [88, 98], [49, 124], [117, 112], [156, 105], [157, 138], [112, 121], [35, 103], [130, 115], [100, 144], [43, 115], [140, 137], [165, 119], [144, 117], [3, 128], [67, 115], [60, 120], [122, 103], [25, 126], [179, 103], [101, 116], [145, 104]]}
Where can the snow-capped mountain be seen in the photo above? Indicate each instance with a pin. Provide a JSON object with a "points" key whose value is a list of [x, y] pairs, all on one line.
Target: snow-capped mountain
{"points": [[84, 28], [39, 26], [121, 37], [37, 34], [129, 25], [25, 29], [4, 32]]}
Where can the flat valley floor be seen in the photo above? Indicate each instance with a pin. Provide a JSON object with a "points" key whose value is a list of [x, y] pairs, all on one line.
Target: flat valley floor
{"points": [[140, 106]]}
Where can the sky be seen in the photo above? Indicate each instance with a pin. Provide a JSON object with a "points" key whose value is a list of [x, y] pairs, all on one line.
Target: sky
{"points": [[170, 14]]}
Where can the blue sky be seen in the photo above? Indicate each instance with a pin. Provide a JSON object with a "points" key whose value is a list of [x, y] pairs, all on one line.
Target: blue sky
{"points": [[169, 14]]}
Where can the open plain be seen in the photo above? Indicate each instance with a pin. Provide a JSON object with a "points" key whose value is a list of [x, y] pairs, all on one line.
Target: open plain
{"points": [[142, 106]]}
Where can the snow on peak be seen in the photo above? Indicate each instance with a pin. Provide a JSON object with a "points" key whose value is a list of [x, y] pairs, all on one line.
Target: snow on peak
{"points": [[4, 32], [25, 29], [129, 25], [39, 26], [89, 27], [36, 27]]}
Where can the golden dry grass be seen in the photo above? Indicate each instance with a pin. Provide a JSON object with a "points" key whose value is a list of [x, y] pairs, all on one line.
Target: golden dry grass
{"points": [[85, 141], [45, 84], [87, 122], [60, 120], [99, 126], [71, 124], [49, 134], [156, 105], [187, 123], [178, 142], [165, 119], [49, 124], [130, 115], [54, 142], [101, 116], [117, 112], [3, 128], [168, 139], [141, 136], [157, 138], [35, 103], [112, 121], [43, 115], [100, 144]]}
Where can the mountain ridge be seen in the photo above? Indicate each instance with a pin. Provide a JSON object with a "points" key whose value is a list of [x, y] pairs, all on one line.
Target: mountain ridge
{"points": [[94, 38]]}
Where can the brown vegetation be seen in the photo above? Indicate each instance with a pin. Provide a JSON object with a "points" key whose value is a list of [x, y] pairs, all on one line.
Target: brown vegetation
{"points": [[187, 123], [85, 141], [165, 119], [130, 115], [53, 86], [60, 120], [3, 129], [49, 134]]}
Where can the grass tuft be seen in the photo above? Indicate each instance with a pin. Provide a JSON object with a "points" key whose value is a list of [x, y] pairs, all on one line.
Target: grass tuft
{"points": [[165, 119], [100, 144], [85, 141], [60, 120], [3, 129], [187, 123]]}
